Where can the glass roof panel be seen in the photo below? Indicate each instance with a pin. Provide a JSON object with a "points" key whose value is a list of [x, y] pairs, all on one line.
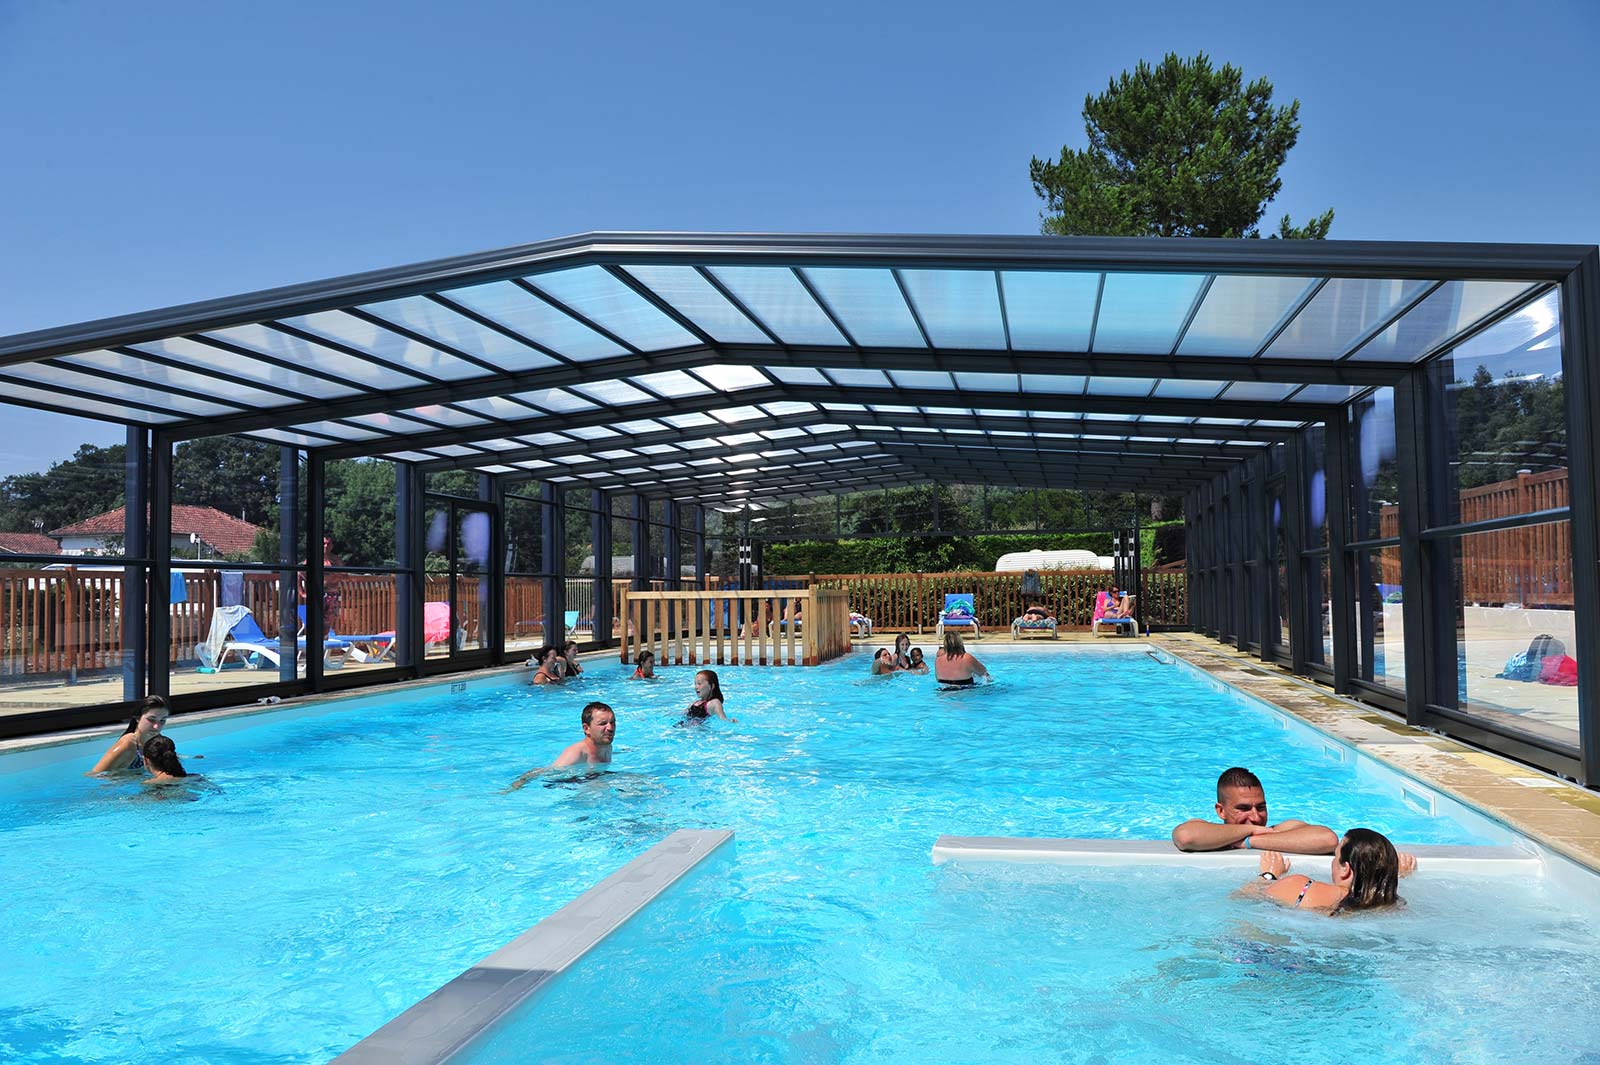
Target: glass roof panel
{"points": [[869, 304], [233, 365], [409, 456], [1240, 312], [788, 406], [640, 425], [283, 436], [1049, 311], [1454, 307], [259, 338], [455, 451], [91, 383], [700, 302], [797, 375], [1267, 391], [612, 392], [337, 430], [613, 306], [389, 346], [497, 444], [987, 382], [436, 412], [115, 411], [1118, 386], [775, 295], [1327, 393], [556, 399], [1057, 384], [673, 384], [657, 449], [499, 407], [1174, 388], [161, 376], [544, 439], [959, 308], [731, 377], [1140, 314], [592, 432], [1346, 308], [858, 378], [923, 379], [738, 414], [531, 317], [389, 423], [688, 421], [444, 326]]}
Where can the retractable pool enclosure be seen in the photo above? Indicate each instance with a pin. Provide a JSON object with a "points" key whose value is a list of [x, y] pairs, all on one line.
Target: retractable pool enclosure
{"points": [[1387, 451]]}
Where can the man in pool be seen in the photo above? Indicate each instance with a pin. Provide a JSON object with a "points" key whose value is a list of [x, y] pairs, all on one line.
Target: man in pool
{"points": [[1242, 805], [599, 730]]}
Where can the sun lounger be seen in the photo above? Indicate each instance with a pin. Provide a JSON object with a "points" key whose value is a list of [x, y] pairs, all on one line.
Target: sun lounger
{"points": [[959, 613], [1032, 627], [1103, 602]]}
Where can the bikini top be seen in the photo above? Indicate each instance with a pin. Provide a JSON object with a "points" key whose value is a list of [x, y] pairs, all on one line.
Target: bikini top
{"points": [[697, 710]]}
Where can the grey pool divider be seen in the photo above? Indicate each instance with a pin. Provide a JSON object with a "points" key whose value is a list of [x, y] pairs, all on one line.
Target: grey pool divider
{"points": [[1486, 861], [438, 1027]]}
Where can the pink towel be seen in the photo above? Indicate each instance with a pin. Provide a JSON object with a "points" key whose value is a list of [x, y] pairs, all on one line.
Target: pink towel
{"points": [[1101, 601]]}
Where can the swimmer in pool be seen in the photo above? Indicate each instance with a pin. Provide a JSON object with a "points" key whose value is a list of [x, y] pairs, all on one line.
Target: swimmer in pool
{"points": [[128, 751], [569, 659], [161, 758], [710, 703], [918, 665], [549, 666], [1365, 875], [882, 662], [645, 666], [1242, 806], [902, 651], [954, 666], [599, 732]]}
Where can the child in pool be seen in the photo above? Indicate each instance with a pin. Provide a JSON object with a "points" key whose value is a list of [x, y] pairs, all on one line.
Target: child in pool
{"points": [[1365, 873]]}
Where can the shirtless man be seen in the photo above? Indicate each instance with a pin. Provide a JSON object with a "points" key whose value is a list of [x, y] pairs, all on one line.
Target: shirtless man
{"points": [[599, 730], [1242, 805]]}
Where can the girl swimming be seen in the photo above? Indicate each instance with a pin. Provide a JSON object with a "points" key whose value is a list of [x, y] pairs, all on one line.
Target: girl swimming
{"points": [[709, 690], [128, 751]]}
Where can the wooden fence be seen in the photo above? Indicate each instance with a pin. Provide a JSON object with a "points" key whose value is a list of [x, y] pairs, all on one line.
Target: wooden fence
{"points": [[1531, 566], [910, 602], [736, 627]]}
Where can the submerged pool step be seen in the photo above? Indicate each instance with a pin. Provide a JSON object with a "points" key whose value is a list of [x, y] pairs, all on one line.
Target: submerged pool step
{"points": [[1486, 861]]}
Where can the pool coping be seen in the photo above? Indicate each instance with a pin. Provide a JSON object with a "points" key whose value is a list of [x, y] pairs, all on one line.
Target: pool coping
{"points": [[449, 1019], [1552, 812]]}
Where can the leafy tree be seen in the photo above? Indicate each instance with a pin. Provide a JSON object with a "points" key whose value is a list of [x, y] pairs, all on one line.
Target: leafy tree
{"points": [[228, 473], [88, 483], [1181, 149]]}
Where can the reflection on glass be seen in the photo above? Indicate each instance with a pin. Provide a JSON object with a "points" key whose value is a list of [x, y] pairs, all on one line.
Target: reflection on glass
{"points": [[1316, 487], [1380, 639], [1516, 638], [1375, 487]]}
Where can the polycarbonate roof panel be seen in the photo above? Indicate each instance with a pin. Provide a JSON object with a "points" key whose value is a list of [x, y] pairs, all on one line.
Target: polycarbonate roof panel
{"points": [[1049, 310], [1140, 314], [159, 375], [1056, 384], [1262, 391], [674, 384], [114, 411], [612, 392], [923, 379], [986, 382], [435, 412], [499, 407], [87, 381], [797, 375], [614, 307], [848, 378], [458, 332], [1117, 386], [337, 430], [1346, 309], [1240, 312], [422, 359], [284, 436], [529, 316], [699, 301], [259, 338], [1446, 312], [556, 399], [774, 295], [228, 365], [1174, 388], [1327, 393], [390, 423], [728, 377], [870, 305], [958, 308]]}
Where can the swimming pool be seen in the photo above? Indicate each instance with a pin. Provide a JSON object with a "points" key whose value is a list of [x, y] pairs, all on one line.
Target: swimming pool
{"points": [[338, 864]]}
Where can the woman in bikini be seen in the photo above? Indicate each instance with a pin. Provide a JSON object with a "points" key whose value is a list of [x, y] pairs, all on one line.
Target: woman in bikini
{"points": [[902, 651], [569, 655], [710, 701], [954, 666], [128, 751], [645, 666], [549, 671], [1366, 872]]}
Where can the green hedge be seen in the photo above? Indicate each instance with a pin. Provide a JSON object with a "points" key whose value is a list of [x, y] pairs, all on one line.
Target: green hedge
{"points": [[934, 554]]}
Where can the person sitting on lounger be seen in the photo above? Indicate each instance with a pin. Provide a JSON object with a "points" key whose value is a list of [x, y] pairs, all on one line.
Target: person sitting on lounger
{"points": [[1242, 806], [954, 666], [1365, 875], [1036, 612], [128, 751], [599, 732], [917, 663], [644, 667]]}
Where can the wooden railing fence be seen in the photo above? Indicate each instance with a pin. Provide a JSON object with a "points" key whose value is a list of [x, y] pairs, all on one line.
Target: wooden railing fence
{"points": [[736, 627]]}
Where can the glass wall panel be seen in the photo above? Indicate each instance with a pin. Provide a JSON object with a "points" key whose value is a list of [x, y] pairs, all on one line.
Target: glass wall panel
{"points": [[529, 569], [1380, 643], [1515, 635], [1319, 648], [246, 645], [1314, 450], [1503, 409], [1374, 471], [472, 533], [1281, 568]]}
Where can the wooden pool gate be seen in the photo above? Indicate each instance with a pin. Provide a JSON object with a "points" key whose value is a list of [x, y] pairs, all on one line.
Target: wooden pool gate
{"points": [[737, 628]]}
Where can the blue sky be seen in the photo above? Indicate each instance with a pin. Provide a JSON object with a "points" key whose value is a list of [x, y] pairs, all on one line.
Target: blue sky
{"points": [[171, 151]]}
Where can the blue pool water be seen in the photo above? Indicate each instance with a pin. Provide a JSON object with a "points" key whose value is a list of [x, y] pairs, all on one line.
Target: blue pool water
{"points": [[333, 869]]}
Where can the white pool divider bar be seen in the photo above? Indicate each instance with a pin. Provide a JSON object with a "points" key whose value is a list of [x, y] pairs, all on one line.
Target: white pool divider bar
{"points": [[437, 1028], [1482, 861]]}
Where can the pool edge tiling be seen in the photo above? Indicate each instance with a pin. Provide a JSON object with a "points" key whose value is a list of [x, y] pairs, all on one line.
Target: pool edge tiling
{"points": [[1558, 815]]}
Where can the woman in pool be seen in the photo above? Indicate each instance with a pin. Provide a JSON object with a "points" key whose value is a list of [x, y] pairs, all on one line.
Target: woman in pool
{"points": [[569, 656], [710, 701], [1366, 872], [645, 666], [954, 666], [128, 751], [882, 662], [549, 671], [161, 756], [917, 663], [902, 651]]}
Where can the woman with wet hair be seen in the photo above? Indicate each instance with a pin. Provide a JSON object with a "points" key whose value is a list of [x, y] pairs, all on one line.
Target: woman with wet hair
{"points": [[1366, 872], [549, 670], [161, 757], [569, 658], [645, 666], [709, 689], [902, 651], [128, 751]]}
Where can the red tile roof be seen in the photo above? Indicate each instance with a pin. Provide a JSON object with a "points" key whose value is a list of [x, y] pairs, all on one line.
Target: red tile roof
{"points": [[229, 535], [28, 544]]}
